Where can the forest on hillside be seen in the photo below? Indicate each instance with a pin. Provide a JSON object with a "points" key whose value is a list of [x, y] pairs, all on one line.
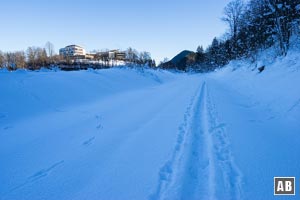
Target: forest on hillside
{"points": [[252, 27]]}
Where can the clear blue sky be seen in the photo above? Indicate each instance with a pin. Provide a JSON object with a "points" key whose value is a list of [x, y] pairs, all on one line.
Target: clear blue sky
{"points": [[162, 27]]}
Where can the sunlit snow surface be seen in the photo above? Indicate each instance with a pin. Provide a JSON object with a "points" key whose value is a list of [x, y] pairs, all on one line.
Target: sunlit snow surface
{"points": [[149, 134]]}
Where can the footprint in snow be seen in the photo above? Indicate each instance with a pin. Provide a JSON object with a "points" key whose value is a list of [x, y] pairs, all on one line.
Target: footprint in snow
{"points": [[220, 126], [44, 172], [99, 127], [38, 175], [99, 124], [7, 127], [89, 141], [98, 117]]}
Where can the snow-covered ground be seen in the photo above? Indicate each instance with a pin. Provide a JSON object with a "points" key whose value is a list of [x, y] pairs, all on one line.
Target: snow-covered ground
{"points": [[149, 134]]}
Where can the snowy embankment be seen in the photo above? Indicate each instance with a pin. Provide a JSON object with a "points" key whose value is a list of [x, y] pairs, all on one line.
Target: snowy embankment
{"points": [[146, 134], [262, 117]]}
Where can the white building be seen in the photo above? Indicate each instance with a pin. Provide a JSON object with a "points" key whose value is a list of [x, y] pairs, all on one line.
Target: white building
{"points": [[72, 51], [116, 54]]}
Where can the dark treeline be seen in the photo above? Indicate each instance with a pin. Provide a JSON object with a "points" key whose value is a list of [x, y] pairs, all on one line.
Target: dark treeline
{"points": [[253, 26], [35, 58]]}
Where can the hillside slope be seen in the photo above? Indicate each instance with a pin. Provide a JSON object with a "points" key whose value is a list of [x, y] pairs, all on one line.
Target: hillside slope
{"points": [[181, 61]]}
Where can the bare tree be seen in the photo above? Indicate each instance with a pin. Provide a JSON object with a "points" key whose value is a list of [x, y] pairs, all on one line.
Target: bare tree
{"points": [[37, 57], [42, 58], [145, 57], [9, 60], [31, 55], [20, 59], [50, 49], [1, 59], [284, 17], [131, 54], [233, 13]]}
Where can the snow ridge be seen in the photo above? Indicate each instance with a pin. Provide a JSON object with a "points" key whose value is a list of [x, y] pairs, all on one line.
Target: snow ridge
{"points": [[201, 165]]}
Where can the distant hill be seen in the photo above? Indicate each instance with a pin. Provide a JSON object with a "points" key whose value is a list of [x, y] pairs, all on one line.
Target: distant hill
{"points": [[181, 61], [181, 56]]}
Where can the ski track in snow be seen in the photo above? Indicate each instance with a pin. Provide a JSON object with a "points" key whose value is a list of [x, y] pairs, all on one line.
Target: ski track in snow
{"points": [[229, 175], [201, 164]]}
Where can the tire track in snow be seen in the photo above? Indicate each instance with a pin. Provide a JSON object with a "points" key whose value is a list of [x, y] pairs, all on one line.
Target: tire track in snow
{"points": [[201, 165]]}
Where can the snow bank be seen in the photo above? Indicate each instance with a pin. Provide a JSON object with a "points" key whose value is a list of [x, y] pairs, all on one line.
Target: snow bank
{"points": [[25, 93], [262, 113]]}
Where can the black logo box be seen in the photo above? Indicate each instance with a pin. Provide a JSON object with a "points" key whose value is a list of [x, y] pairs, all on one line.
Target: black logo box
{"points": [[284, 183]]}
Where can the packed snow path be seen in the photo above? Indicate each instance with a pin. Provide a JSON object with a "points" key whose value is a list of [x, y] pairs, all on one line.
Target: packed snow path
{"points": [[201, 165], [145, 134]]}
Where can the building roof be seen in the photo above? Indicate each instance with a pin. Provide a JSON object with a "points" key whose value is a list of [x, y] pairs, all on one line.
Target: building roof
{"points": [[73, 45]]}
